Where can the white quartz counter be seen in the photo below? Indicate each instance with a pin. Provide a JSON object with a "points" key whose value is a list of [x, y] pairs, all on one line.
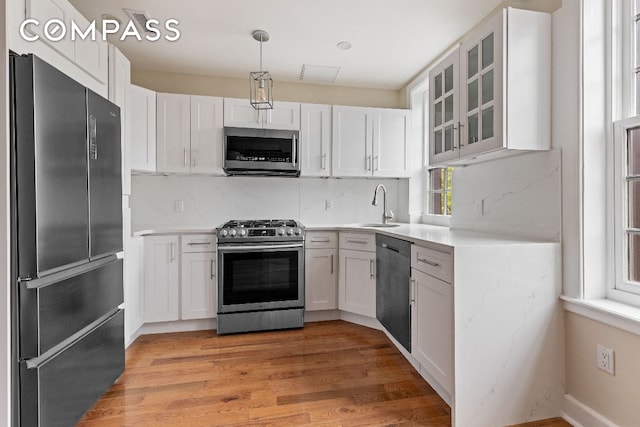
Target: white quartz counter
{"points": [[415, 233]]}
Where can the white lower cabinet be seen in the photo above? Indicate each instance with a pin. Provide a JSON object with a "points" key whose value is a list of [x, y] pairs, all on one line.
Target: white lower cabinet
{"points": [[357, 269], [161, 278], [432, 313], [321, 271], [179, 284], [432, 327], [198, 279]]}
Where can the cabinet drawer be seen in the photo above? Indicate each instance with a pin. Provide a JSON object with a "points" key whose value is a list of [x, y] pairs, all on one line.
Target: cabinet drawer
{"points": [[321, 240], [198, 243], [435, 263], [358, 241]]}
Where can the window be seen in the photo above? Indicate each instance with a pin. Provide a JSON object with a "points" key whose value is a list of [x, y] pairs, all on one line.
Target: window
{"points": [[439, 190], [626, 165], [627, 204]]}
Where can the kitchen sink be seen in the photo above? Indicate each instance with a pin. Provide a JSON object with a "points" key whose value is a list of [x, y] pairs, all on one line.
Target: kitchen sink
{"points": [[378, 225]]}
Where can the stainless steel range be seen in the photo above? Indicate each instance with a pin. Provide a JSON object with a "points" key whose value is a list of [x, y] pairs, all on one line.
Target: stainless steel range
{"points": [[260, 275]]}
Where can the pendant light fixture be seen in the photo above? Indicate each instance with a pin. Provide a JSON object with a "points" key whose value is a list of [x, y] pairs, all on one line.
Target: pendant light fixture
{"points": [[261, 83]]}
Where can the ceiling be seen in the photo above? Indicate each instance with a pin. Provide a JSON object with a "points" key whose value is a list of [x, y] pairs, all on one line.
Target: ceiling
{"points": [[392, 40]]}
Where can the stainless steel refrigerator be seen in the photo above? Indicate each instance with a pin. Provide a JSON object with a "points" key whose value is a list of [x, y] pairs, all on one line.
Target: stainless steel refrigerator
{"points": [[68, 332]]}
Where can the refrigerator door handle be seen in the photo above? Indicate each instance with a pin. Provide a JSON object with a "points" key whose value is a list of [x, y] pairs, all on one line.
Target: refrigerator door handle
{"points": [[93, 146]]}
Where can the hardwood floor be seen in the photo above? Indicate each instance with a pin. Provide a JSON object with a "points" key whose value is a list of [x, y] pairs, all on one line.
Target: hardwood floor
{"points": [[327, 374]]}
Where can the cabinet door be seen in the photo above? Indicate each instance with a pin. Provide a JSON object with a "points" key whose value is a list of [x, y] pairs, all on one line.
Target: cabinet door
{"points": [[198, 285], [444, 108], [432, 327], [142, 104], [45, 10], [161, 278], [91, 54], [315, 139], [357, 282], [284, 115], [174, 132], [352, 141], [321, 286], [481, 99], [240, 114], [391, 139], [207, 134], [119, 82]]}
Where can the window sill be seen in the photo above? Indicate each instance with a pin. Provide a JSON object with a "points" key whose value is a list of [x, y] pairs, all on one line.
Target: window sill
{"points": [[609, 312], [441, 220]]}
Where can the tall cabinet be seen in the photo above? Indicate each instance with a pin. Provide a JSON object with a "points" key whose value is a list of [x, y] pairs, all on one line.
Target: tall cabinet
{"points": [[491, 97]]}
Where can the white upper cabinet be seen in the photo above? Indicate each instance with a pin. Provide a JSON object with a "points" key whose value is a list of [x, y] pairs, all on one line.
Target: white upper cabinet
{"points": [[352, 141], [391, 141], [90, 54], [207, 133], [370, 142], [444, 106], [142, 103], [189, 133], [239, 113], [173, 135], [315, 139], [491, 97], [119, 82]]}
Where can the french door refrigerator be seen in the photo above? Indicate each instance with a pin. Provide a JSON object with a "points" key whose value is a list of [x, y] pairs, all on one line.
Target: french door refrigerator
{"points": [[68, 330]]}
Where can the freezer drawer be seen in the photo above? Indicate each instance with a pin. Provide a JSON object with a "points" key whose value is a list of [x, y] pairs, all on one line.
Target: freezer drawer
{"points": [[55, 311], [72, 381]]}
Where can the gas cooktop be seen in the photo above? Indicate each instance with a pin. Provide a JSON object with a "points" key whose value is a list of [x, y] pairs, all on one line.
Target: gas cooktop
{"points": [[260, 230]]}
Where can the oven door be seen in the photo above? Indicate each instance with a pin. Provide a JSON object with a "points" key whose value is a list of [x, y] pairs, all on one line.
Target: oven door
{"points": [[260, 276]]}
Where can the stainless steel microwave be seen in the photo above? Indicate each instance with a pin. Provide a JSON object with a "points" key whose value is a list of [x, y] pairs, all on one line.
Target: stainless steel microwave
{"points": [[261, 152]]}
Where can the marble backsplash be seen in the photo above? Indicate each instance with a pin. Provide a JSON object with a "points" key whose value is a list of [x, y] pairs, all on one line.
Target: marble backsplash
{"points": [[516, 196], [209, 201]]}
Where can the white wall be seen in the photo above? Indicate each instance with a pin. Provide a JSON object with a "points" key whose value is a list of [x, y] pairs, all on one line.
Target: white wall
{"points": [[210, 201]]}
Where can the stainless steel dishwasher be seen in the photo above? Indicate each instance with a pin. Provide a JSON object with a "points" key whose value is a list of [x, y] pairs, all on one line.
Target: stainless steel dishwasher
{"points": [[393, 268]]}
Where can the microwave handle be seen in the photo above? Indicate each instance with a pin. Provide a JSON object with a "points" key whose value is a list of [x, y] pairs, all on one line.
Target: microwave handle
{"points": [[294, 150]]}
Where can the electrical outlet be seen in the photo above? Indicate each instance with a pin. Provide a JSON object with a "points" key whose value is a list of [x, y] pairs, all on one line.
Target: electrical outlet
{"points": [[328, 205], [179, 205], [605, 359], [480, 207]]}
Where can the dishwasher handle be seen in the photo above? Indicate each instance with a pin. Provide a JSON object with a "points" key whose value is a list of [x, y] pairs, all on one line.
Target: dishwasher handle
{"points": [[391, 248]]}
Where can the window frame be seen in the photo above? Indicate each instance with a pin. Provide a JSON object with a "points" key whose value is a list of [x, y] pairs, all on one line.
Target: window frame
{"points": [[624, 116]]}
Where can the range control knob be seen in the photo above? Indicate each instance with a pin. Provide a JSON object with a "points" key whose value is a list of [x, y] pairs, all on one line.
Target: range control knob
{"points": [[233, 232], [280, 231], [242, 232], [290, 231], [297, 231], [223, 233]]}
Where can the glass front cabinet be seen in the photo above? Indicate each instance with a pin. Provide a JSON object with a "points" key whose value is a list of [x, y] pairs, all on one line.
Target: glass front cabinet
{"points": [[491, 96]]}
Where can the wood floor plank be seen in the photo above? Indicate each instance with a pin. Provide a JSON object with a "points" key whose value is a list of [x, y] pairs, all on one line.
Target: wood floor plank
{"points": [[327, 374]]}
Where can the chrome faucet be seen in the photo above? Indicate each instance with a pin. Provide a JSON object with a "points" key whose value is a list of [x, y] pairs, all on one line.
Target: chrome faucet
{"points": [[386, 215]]}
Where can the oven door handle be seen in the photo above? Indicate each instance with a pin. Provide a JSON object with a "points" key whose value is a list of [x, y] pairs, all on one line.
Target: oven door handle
{"points": [[258, 247]]}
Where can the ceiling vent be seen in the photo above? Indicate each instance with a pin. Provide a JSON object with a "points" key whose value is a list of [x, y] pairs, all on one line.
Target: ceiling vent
{"points": [[139, 17], [319, 73]]}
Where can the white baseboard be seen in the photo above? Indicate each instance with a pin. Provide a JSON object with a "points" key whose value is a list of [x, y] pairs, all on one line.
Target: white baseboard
{"points": [[321, 316], [177, 326], [369, 322], [578, 414]]}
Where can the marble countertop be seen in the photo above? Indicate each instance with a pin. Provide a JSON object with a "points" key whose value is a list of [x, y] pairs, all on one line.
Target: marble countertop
{"points": [[415, 233]]}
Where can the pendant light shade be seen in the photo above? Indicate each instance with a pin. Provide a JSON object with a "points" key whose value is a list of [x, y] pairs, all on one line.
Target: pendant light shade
{"points": [[261, 83]]}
